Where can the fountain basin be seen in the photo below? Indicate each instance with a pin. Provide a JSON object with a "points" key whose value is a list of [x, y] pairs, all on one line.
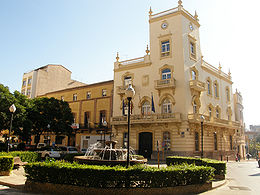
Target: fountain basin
{"points": [[91, 161]]}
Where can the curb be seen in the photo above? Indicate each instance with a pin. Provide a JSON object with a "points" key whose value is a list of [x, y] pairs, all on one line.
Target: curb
{"points": [[19, 186], [221, 184]]}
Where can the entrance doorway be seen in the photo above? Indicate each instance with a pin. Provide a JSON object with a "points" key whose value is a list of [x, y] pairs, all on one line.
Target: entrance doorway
{"points": [[146, 144]]}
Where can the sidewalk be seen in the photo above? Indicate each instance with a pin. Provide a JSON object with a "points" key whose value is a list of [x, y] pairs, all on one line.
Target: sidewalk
{"points": [[15, 180]]}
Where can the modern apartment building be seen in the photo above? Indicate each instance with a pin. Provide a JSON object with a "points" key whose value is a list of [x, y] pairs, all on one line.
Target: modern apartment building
{"points": [[46, 79], [177, 94]]}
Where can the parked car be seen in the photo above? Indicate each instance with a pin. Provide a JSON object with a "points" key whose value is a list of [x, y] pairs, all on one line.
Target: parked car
{"points": [[83, 150], [68, 150], [50, 152], [40, 145]]}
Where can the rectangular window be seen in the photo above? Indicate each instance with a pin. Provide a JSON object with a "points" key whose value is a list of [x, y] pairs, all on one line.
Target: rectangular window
{"points": [[74, 117], [23, 92], [86, 119], [24, 83], [88, 94], [104, 92], [102, 117], [58, 139], [196, 141], [29, 81], [165, 48], [193, 49], [127, 81], [28, 92], [75, 97]]}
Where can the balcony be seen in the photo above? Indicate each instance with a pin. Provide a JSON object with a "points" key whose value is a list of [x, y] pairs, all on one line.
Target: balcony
{"points": [[165, 83], [212, 120], [197, 85], [141, 119]]}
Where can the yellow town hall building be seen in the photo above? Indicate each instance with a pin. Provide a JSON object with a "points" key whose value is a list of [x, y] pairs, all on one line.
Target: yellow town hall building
{"points": [[175, 89], [177, 94]]}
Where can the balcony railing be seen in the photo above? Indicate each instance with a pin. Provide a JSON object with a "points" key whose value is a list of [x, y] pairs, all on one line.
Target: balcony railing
{"points": [[197, 85], [165, 83], [132, 61], [197, 117], [153, 118]]}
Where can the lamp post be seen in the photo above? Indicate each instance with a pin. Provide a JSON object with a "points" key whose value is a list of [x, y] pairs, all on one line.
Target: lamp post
{"points": [[12, 109], [48, 140], [104, 124], [201, 123], [130, 92]]}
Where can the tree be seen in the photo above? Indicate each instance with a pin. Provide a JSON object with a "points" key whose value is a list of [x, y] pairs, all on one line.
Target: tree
{"points": [[22, 103], [50, 115]]}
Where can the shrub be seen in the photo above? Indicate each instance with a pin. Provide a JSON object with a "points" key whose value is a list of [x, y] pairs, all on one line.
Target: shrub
{"points": [[6, 164], [25, 156], [105, 177], [219, 166]]}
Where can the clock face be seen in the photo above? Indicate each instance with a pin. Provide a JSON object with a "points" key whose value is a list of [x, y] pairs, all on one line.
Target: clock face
{"points": [[164, 25], [191, 27]]}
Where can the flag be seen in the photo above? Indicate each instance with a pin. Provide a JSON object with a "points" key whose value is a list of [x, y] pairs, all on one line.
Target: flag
{"points": [[153, 108], [123, 108]]}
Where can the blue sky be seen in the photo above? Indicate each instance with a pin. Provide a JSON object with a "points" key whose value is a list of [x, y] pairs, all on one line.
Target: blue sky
{"points": [[84, 36]]}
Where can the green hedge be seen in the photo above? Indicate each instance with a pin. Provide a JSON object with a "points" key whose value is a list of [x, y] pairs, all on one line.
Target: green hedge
{"points": [[219, 166], [25, 156], [6, 163], [60, 172]]}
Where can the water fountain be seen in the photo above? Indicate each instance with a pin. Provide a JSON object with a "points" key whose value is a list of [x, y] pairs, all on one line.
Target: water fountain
{"points": [[107, 155]]}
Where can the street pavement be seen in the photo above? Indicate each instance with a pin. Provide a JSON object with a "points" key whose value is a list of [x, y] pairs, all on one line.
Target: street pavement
{"points": [[243, 178]]}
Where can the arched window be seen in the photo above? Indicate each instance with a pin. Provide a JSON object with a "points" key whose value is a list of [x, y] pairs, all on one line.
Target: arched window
{"points": [[216, 89], [193, 75], [166, 140], [166, 74], [210, 112], [166, 106], [146, 108], [217, 112], [209, 87], [215, 141], [196, 141], [227, 94]]}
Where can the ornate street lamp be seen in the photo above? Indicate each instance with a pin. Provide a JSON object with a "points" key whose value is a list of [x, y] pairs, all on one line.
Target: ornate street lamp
{"points": [[130, 92], [12, 109], [202, 118]]}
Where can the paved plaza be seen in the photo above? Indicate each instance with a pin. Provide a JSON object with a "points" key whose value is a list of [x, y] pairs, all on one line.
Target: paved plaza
{"points": [[243, 178]]}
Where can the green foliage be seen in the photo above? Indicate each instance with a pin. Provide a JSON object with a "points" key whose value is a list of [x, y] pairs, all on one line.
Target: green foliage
{"points": [[24, 156], [219, 166], [60, 172], [53, 112], [20, 119], [6, 163]]}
